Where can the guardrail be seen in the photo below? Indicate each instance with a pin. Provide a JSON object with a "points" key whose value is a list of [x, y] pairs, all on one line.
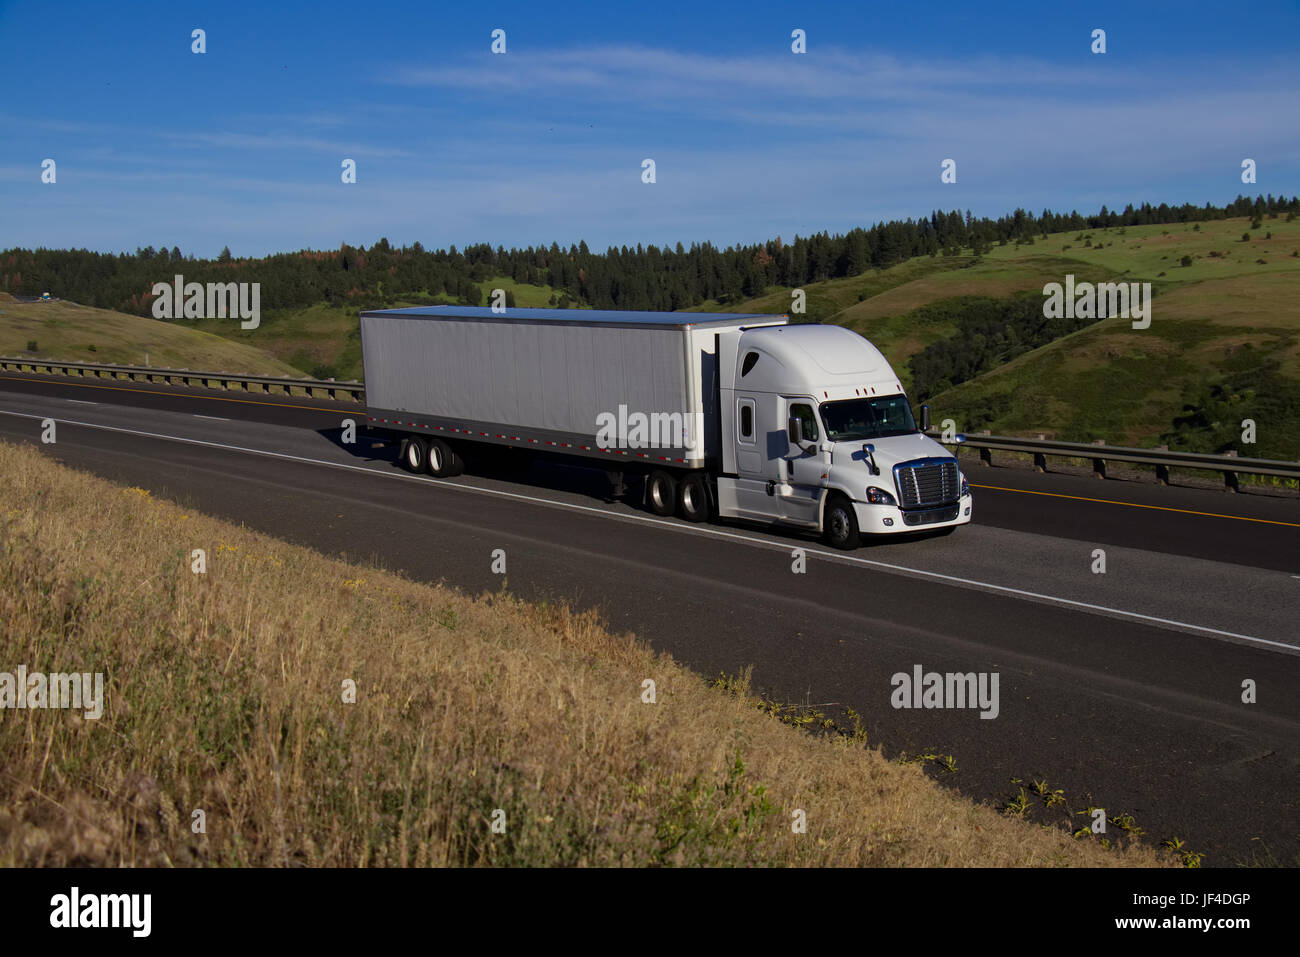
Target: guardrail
{"points": [[1230, 464], [225, 380]]}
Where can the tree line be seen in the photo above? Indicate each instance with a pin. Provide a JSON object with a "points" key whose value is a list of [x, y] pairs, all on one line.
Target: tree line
{"points": [[644, 277]]}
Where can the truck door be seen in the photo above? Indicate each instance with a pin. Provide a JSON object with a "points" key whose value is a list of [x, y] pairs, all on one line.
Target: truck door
{"points": [[752, 498], [803, 473]]}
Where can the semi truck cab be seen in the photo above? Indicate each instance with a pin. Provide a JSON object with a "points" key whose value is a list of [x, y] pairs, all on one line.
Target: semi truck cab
{"points": [[818, 432]]}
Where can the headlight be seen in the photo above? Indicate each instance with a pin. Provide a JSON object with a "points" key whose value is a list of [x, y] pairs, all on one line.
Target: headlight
{"points": [[878, 496], [965, 488]]}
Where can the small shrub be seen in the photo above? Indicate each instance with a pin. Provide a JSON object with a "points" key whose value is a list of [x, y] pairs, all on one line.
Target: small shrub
{"points": [[1186, 260], [31, 345]]}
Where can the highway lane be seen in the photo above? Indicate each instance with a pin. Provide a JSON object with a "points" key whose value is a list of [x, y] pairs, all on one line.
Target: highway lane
{"points": [[1118, 711]]}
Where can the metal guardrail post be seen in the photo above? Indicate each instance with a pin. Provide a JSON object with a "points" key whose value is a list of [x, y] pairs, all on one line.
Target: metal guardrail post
{"points": [[1230, 478], [1099, 465], [1162, 470], [1040, 460]]}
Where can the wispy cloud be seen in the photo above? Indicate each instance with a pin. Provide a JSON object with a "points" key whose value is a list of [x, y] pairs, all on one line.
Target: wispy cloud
{"points": [[281, 142]]}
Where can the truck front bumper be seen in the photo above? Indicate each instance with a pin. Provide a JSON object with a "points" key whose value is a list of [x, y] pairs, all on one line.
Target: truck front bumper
{"points": [[892, 520]]}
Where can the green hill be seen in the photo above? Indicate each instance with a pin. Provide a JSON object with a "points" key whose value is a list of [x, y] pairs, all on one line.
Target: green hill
{"points": [[1224, 337], [76, 333]]}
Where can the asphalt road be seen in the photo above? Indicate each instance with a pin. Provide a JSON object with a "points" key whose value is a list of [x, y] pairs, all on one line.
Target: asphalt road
{"points": [[1123, 688]]}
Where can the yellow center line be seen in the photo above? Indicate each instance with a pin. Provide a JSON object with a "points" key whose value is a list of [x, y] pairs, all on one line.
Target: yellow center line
{"points": [[183, 395], [1159, 508]]}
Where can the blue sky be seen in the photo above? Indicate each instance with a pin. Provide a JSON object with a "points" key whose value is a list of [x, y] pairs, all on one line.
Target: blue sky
{"points": [[242, 145]]}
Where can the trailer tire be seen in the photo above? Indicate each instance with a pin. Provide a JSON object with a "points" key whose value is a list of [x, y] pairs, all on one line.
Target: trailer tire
{"points": [[444, 461], [840, 523], [693, 497], [661, 493], [414, 454]]}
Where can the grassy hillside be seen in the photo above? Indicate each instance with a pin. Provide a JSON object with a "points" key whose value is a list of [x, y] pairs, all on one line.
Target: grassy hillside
{"points": [[1224, 340], [1224, 337], [76, 333], [225, 694]]}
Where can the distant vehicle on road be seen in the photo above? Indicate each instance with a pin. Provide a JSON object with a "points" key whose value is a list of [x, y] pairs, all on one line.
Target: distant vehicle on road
{"points": [[726, 415]]}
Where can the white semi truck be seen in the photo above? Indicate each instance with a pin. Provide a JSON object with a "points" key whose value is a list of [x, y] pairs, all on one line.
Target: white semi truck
{"points": [[725, 415]]}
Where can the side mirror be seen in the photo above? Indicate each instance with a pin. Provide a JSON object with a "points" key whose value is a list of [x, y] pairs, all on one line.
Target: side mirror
{"points": [[869, 451], [794, 429], [925, 418]]}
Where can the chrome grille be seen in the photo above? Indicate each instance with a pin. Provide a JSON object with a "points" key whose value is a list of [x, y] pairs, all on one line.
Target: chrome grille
{"points": [[926, 482]]}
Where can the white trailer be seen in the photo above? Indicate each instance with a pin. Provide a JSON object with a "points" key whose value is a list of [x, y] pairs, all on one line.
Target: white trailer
{"points": [[733, 415]]}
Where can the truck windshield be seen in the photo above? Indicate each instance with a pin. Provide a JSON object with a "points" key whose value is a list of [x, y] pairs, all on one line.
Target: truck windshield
{"points": [[874, 418]]}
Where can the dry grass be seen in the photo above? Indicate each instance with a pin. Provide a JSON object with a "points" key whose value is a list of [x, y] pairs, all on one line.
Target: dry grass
{"points": [[65, 331], [225, 695]]}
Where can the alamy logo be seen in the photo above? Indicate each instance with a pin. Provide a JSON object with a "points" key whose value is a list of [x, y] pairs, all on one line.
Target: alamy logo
{"points": [[58, 690], [103, 910], [1125, 300], [217, 300], [930, 689], [654, 430]]}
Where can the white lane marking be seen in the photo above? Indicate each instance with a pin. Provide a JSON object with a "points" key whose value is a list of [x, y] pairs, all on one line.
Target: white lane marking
{"points": [[693, 530], [81, 402], [216, 417]]}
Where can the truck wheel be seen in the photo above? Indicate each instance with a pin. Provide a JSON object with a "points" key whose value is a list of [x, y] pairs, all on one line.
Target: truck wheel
{"points": [[414, 454], [661, 492], [443, 460], [840, 524], [694, 495]]}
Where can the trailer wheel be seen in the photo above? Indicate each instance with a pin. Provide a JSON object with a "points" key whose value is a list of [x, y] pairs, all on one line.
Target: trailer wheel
{"points": [[444, 462], [414, 454], [661, 491], [840, 524], [694, 498]]}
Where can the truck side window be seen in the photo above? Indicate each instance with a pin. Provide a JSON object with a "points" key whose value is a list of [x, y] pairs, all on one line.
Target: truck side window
{"points": [[748, 364], [807, 421]]}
